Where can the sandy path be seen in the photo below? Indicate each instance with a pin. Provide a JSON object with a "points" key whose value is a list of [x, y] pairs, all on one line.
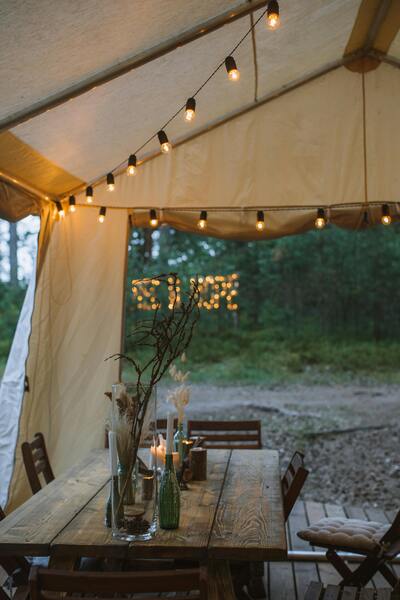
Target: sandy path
{"points": [[359, 467]]}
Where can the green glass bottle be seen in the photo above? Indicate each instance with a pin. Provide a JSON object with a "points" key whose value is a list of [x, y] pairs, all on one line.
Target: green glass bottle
{"points": [[169, 504], [178, 442]]}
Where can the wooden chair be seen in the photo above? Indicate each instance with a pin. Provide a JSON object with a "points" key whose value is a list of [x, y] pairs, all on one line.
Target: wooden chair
{"points": [[242, 435], [116, 584], [378, 543], [316, 591], [36, 462], [293, 481]]}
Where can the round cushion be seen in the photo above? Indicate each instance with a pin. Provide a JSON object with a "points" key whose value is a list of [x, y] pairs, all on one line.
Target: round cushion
{"points": [[345, 533]]}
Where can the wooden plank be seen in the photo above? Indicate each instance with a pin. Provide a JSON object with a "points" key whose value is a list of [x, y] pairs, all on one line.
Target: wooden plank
{"points": [[304, 572], [332, 592], [367, 594], [314, 591], [86, 535], [281, 581], [30, 529], [249, 523], [349, 593]]}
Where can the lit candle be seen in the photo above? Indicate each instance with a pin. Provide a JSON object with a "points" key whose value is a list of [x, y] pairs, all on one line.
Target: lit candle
{"points": [[170, 433], [112, 442]]}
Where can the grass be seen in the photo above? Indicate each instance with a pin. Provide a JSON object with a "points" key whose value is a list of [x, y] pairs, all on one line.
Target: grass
{"points": [[257, 358]]}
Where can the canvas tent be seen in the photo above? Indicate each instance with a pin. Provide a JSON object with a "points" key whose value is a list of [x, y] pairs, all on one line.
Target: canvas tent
{"points": [[313, 122]]}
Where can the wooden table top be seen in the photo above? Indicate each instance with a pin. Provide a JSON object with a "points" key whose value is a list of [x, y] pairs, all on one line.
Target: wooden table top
{"points": [[236, 514]]}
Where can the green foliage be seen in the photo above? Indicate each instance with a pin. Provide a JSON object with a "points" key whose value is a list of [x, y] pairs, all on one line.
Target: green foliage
{"points": [[322, 306], [11, 299]]}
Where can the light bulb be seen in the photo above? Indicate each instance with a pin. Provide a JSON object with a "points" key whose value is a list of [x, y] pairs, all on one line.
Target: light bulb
{"points": [[153, 218], [89, 194], [386, 219], [273, 18], [260, 224], [102, 214], [232, 70], [190, 110], [202, 223], [131, 169], [71, 207], [320, 221], [110, 182], [165, 145], [60, 209]]}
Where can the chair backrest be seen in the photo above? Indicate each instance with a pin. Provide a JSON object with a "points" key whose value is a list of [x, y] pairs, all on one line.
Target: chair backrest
{"points": [[36, 462], [391, 540], [110, 585], [293, 481], [242, 435]]}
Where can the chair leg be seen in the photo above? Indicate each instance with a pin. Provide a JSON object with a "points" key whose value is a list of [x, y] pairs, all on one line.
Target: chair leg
{"points": [[388, 575], [362, 575], [340, 566]]}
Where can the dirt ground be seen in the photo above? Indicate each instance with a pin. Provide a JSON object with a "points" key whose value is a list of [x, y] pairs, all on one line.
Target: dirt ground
{"points": [[360, 466]]}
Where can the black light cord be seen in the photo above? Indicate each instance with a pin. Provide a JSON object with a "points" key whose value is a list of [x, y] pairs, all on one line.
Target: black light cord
{"points": [[182, 107]]}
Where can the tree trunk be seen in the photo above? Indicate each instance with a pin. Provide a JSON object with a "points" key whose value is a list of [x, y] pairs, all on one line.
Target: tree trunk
{"points": [[13, 246]]}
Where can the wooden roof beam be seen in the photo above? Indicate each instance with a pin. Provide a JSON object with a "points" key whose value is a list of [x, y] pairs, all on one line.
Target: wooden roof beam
{"points": [[131, 63]]}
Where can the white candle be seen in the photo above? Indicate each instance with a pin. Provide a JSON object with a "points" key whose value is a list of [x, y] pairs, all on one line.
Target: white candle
{"points": [[170, 433], [112, 442]]}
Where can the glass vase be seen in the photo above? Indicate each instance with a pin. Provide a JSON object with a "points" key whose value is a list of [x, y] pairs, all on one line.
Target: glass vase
{"points": [[134, 497]]}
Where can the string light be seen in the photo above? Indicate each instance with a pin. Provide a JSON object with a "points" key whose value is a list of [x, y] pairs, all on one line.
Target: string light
{"points": [[110, 182], [165, 144], [60, 209], [190, 109], [89, 194], [102, 214], [320, 221], [273, 18], [131, 169], [386, 219], [153, 218], [232, 70], [202, 223], [260, 224], [71, 202]]}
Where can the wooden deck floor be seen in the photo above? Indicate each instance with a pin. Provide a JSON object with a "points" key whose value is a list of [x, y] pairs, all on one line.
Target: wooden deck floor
{"points": [[289, 580]]}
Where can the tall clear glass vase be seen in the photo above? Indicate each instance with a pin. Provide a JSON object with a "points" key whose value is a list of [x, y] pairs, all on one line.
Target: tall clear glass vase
{"points": [[134, 482]]}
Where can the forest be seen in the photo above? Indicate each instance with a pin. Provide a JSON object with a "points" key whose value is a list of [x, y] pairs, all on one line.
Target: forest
{"points": [[318, 307]]}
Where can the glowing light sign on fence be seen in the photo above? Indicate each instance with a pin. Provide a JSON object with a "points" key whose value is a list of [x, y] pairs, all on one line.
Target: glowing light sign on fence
{"points": [[216, 291]]}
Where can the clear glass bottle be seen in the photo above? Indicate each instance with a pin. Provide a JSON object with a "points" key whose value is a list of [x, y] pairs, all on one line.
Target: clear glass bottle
{"points": [[179, 437], [169, 496]]}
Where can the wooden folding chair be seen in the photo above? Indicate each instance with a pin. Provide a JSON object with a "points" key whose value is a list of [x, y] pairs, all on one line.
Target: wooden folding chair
{"points": [[116, 584], [37, 462], [17, 569], [293, 481], [316, 591], [240, 435], [378, 543]]}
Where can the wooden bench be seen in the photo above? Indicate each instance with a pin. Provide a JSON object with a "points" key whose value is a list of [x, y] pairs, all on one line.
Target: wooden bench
{"points": [[316, 591], [240, 435]]}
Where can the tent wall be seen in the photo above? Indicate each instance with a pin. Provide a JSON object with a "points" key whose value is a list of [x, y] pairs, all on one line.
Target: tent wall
{"points": [[300, 151], [76, 325]]}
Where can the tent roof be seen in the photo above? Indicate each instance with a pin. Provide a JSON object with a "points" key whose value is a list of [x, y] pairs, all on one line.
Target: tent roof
{"points": [[50, 53]]}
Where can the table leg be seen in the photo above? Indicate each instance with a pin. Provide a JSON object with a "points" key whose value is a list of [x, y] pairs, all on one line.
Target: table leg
{"points": [[220, 585]]}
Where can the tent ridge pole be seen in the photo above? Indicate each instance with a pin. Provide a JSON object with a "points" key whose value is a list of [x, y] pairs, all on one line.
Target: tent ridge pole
{"points": [[131, 63]]}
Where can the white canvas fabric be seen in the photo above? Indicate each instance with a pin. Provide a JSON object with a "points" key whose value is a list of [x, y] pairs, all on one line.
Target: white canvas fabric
{"points": [[76, 325], [12, 391]]}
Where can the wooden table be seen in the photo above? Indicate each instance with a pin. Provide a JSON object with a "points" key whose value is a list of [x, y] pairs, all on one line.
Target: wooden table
{"points": [[236, 514]]}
